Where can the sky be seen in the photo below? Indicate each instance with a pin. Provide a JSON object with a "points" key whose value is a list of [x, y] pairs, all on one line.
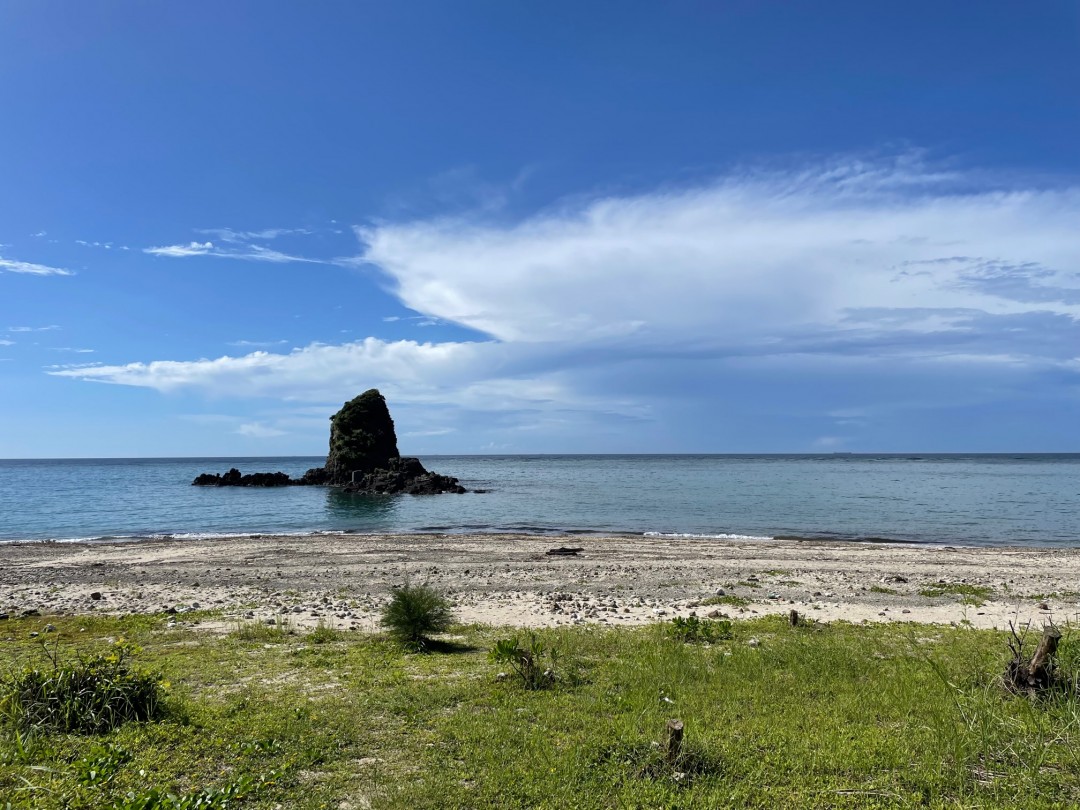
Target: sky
{"points": [[550, 227]]}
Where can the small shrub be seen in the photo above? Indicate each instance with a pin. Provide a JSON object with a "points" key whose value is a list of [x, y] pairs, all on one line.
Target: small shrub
{"points": [[527, 660], [323, 634], [414, 613], [93, 695], [693, 629], [101, 766], [266, 633]]}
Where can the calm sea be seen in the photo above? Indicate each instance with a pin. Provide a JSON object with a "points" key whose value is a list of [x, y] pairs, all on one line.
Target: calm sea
{"points": [[953, 499]]}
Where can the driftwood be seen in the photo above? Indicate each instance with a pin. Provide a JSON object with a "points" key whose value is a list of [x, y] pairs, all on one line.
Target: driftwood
{"points": [[1036, 674], [562, 551]]}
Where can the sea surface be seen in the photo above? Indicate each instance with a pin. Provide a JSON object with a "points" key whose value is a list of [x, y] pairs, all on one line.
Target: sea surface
{"points": [[941, 499]]}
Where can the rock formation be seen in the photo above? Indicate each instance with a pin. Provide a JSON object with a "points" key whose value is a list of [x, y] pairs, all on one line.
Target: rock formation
{"points": [[362, 438], [363, 458]]}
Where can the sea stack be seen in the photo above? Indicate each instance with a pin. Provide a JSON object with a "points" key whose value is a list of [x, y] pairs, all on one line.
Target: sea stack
{"points": [[363, 458]]}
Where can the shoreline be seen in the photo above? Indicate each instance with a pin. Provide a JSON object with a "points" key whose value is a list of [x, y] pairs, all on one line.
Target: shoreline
{"points": [[342, 580]]}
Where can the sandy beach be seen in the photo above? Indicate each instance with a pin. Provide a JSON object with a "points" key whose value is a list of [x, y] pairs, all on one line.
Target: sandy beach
{"points": [[342, 580]]}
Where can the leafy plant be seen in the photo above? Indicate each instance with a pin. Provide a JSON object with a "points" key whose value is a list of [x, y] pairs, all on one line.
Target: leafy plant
{"points": [[323, 634], [100, 767], [91, 695], [527, 660], [729, 599], [693, 629], [414, 613]]}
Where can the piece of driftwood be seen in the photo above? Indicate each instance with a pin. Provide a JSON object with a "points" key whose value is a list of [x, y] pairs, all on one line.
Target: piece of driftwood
{"points": [[674, 741], [1038, 673], [562, 551]]}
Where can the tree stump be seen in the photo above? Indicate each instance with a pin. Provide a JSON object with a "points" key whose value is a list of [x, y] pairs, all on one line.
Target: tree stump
{"points": [[1038, 673], [793, 618], [674, 741]]}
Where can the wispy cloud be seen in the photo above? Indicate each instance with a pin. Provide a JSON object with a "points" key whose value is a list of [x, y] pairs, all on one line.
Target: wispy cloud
{"points": [[257, 430], [230, 235], [7, 342], [70, 349], [246, 252], [29, 268], [257, 344], [936, 285], [49, 328]]}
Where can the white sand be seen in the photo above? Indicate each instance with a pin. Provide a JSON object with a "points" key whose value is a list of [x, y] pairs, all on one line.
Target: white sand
{"points": [[507, 579]]}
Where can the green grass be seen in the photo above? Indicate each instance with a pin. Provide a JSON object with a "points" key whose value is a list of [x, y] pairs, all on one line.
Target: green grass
{"points": [[883, 589], [728, 599], [969, 594], [838, 716]]}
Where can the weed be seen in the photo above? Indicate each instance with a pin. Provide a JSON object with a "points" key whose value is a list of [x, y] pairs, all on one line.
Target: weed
{"points": [[323, 634], [693, 630], [729, 599], [969, 594], [92, 695], [883, 589], [526, 660], [414, 613]]}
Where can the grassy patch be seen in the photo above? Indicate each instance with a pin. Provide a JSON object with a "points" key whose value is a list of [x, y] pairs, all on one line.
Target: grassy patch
{"points": [[847, 716], [90, 694], [883, 589], [969, 594], [729, 599]]}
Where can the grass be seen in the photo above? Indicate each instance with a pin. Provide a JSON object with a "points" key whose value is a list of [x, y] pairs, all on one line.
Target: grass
{"points": [[969, 594], [845, 716], [883, 589], [729, 599]]}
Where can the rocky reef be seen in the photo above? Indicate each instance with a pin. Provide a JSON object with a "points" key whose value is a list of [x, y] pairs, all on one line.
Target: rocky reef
{"points": [[363, 458]]}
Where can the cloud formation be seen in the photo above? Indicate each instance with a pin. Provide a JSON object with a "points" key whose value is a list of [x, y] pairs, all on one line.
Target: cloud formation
{"points": [[765, 282], [29, 268], [256, 253]]}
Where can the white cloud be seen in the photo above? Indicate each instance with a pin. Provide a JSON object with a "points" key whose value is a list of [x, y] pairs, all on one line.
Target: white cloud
{"points": [[70, 349], [7, 342], [257, 344], [255, 253], [749, 256], [50, 328], [29, 268], [229, 235], [190, 249], [756, 281], [257, 430]]}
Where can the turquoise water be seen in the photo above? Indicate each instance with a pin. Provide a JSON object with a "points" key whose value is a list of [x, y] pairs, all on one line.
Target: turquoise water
{"points": [[968, 500]]}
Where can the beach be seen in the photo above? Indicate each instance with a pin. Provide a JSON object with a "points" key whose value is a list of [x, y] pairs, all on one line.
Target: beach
{"points": [[342, 580]]}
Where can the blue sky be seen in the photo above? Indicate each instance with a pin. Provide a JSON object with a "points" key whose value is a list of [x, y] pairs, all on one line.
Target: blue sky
{"points": [[540, 227]]}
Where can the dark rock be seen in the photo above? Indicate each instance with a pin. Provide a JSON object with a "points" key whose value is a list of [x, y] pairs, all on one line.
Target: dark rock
{"points": [[562, 551], [31, 612], [3, 617], [233, 478], [404, 476], [362, 438], [96, 595], [363, 458]]}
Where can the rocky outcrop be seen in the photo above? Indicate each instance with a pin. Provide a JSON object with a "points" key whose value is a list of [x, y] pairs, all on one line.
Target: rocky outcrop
{"points": [[363, 458], [233, 478], [362, 438], [404, 475]]}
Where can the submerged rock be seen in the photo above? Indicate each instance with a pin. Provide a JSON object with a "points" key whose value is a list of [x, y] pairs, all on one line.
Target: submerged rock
{"points": [[363, 458]]}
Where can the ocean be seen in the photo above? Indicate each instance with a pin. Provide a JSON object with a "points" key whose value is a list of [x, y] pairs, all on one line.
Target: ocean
{"points": [[1030, 500]]}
